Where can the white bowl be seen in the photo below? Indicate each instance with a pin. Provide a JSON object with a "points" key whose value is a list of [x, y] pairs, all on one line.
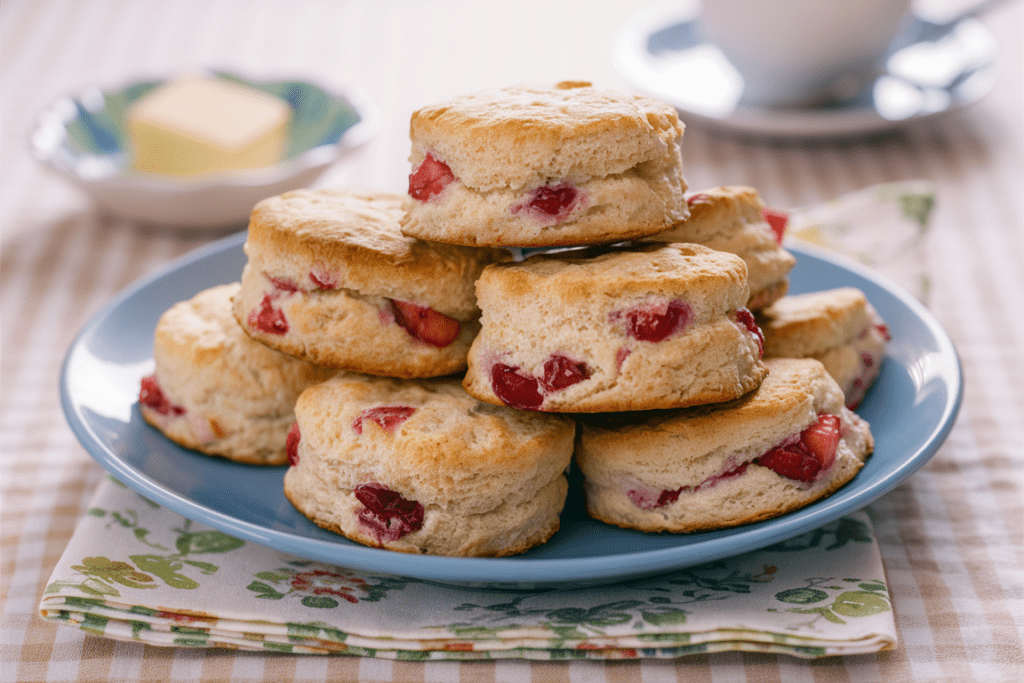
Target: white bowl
{"points": [[84, 140]]}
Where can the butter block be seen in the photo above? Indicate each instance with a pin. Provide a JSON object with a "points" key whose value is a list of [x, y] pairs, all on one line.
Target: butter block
{"points": [[191, 126]]}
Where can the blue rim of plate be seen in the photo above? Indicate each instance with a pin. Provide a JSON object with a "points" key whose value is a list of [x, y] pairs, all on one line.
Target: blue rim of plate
{"points": [[912, 408]]}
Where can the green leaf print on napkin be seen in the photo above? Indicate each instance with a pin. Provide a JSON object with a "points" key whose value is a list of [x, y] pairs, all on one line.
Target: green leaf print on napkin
{"points": [[102, 573], [871, 599]]}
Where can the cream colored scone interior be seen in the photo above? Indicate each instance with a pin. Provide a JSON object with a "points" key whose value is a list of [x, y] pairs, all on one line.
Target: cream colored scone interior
{"points": [[787, 444], [731, 219], [658, 326], [218, 391], [419, 466], [524, 166], [331, 279], [838, 327]]}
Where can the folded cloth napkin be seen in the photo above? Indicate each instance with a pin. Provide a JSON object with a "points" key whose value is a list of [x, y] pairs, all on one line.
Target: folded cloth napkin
{"points": [[882, 226], [137, 571]]}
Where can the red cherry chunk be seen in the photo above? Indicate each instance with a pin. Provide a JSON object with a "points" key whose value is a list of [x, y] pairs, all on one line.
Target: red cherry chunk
{"points": [[883, 330], [291, 444], [746, 318], [323, 279], [429, 178], [793, 461], [822, 438], [645, 500], [387, 513], [284, 284], [426, 324], [698, 198], [152, 396], [551, 201], [561, 372], [514, 388], [386, 417], [654, 322], [266, 318], [777, 219], [804, 458]]}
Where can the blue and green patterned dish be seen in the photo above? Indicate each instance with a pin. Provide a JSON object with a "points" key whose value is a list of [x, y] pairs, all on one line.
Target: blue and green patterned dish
{"points": [[84, 139]]}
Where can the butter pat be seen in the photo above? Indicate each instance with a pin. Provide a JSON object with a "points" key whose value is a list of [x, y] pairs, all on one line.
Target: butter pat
{"points": [[193, 125]]}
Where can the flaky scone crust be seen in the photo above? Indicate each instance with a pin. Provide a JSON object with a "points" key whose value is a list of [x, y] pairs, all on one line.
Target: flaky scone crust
{"points": [[239, 395], [729, 218], [490, 479], [563, 304], [523, 136], [674, 449], [802, 325]]}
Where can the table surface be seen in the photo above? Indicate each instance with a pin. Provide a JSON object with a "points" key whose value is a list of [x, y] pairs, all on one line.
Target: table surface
{"points": [[951, 536]]}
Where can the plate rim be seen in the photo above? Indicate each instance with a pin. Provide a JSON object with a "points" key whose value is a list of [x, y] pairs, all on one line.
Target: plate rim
{"points": [[517, 570]]}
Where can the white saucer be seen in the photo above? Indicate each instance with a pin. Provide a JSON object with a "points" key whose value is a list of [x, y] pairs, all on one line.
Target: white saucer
{"points": [[664, 54]]}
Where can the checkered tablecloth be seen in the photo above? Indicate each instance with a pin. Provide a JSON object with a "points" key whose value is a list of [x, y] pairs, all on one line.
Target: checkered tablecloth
{"points": [[950, 537]]}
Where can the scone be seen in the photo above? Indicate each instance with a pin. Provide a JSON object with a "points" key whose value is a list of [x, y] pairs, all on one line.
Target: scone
{"points": [[615, 328], [531, 167], [839, 327], [419, 466], [218, 391], [331, 279], [781, 447], [734, 219]]}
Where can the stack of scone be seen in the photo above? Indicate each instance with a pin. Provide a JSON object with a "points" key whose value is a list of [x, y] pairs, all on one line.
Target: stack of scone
{"points": [[438, 384]]}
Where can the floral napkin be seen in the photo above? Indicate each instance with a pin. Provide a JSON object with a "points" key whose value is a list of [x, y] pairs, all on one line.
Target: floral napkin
{"points": [[137, 571], [882, 226]]}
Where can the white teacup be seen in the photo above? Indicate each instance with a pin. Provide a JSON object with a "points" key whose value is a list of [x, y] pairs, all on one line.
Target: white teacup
{"points": [[794, 53]]}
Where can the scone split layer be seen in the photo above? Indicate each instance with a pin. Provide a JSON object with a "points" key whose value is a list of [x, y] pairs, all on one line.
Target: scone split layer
{"points": [[218, 391]]}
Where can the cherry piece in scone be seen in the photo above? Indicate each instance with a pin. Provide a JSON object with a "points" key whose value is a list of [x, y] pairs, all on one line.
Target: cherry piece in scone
{"points": [[266, 318], [514, 388], [429, 178], [804, 458], [550, 202], [152, 396], [822, 438], [645, 500], [387, 513], [291, 444], [323, 279], [654, 321], [426, 324], [284, 284], [745, 318], [561, 372], [386, 417], [777, 219]]}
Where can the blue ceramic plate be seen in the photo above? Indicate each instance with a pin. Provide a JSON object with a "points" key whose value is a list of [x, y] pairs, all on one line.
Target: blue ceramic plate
{"points": [[84, 139], [911, 409]]}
